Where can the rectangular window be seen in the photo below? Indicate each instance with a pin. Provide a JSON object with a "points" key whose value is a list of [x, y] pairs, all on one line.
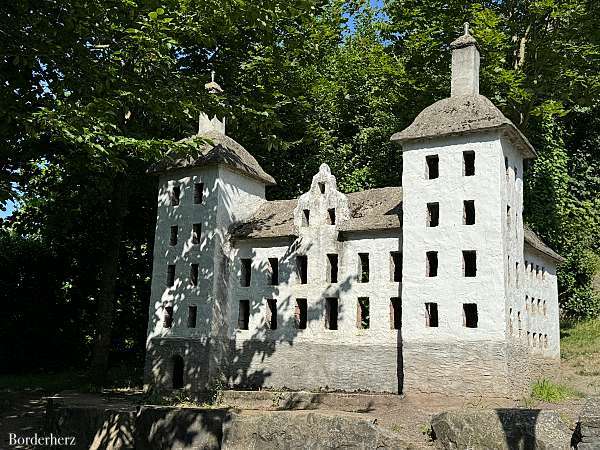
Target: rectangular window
{"points": [[363, 267], [470, 317], [331, 216], [175, 194], [433, 162], [468, 163], [469, 263], [362, 313], [431, 314], [274, 265], [395, 313], [508, 216], [322, 187], [305, 217], [198, 193], [196, 231], [469, 212], [545, 311], [173, 238], [168, 317], [300, 313], [332, 268], [246, 272], [171, 275], [331, 313], [396, 266], [244, 314], [433, 214], [537, 271], [432, 264], [194, 275], [271, 314], [192, 313], [302, 268], [506, 165]]}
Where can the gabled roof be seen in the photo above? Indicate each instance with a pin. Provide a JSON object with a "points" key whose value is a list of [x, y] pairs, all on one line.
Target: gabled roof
{"points": [[218, 149], [461, 114], [373, 209], [536, 242], [273, 219]]}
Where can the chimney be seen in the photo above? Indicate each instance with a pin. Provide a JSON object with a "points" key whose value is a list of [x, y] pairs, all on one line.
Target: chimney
{"points": [[465, 65]]}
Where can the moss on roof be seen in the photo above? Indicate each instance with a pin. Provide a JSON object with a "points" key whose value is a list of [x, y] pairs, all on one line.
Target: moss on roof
{"points": [[218, 149], [536, 242], [459, 115]]}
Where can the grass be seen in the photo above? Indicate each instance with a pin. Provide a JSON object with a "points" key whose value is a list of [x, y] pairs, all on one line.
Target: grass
{"points": [[551, 392], [45, 381], [580, 346], [118, 378], [580, 338]]}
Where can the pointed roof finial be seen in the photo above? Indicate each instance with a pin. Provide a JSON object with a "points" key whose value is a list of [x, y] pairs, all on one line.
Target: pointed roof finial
{"points": [[213, 87], [466, 28]]}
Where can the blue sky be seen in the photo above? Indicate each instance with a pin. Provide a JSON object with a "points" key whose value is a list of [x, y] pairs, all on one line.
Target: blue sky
{"points": [[10, 207]]}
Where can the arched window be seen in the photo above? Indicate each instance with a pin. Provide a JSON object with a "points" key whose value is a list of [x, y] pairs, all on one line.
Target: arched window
{"points": [[177, 372]]}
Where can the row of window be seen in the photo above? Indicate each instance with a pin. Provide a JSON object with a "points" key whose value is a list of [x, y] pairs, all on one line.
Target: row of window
{"points": [[433, 213], [535, 307], [537, 340], [363, 318], [469, 268], [175, 194], [196, 233], [432, 165]]}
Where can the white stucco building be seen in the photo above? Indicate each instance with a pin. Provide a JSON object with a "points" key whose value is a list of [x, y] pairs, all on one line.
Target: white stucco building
{"points": [[436, 286]]}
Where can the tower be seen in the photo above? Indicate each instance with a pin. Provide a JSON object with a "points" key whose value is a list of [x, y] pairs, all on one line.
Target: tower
{"points": [[199, 196], [463, 235]]}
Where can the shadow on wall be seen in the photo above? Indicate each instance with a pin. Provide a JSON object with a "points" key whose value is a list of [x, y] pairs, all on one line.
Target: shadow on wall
{"points": [[180, 362]]}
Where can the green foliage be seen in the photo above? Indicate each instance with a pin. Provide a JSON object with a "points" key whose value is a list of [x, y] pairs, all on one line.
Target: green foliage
{"points": [[548, 391], [91, 93]]}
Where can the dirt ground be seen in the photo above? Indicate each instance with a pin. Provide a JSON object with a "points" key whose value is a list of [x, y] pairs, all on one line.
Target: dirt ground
{"points": [[22, 412]]}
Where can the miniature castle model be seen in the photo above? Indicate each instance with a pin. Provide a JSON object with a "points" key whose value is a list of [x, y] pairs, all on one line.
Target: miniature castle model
{"points": [[436, 286]]}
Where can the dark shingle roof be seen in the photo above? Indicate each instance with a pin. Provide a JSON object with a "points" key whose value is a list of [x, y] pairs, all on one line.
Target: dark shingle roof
{"points": [[534, 241], [459, 115], [374, 209], [273, 219], [219, 149]]}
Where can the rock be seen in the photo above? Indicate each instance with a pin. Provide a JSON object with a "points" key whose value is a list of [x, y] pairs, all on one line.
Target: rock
{"points": [[306, 430], [589, 425], [508, 429], [171, 428]]}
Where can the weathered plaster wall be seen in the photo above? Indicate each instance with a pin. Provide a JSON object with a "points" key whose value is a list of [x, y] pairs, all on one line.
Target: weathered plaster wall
{"points": [[348, 358], [527, 361], [450, 289], [227, 196]]}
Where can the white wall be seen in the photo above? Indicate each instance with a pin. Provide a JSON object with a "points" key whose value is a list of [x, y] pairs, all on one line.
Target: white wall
{"points": [[228, 196], [450, 289]]}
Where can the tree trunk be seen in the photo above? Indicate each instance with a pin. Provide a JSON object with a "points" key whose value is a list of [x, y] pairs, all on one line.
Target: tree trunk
{"points": [[109, 264]]}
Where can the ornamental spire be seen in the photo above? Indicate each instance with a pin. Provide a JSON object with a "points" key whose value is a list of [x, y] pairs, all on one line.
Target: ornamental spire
{"points": [[205, 123]]}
